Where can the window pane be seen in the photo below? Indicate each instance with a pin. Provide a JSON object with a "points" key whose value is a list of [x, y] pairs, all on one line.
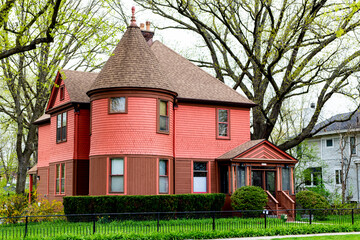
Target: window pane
{"points": [[223, 129], [58, 134], [57, 185], [57, 171], [64, 119], [223, 115], [200, 184], [240, 176], [163, 185], [164, 123], [329, 142], [62, 170], [199, 166], [118, 104], [163, 108], [286, 179], [59, 121], [117, 166], [63, 133], [62, 185], [352, 145], [117, 184], [162, 167]]}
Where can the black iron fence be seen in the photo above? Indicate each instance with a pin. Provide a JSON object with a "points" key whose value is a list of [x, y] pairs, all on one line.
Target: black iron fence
{"points": [[151, 222]]}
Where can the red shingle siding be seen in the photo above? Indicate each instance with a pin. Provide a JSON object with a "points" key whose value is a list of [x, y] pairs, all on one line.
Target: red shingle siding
{"points": [[64, 150], [131, 133], [44, 145], [196, 131], [83, 143], [66, 99]]}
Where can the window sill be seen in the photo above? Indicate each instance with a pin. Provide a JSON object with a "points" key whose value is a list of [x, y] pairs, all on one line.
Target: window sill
{"points": [[163, 132], [223, 138], [61, 141]]}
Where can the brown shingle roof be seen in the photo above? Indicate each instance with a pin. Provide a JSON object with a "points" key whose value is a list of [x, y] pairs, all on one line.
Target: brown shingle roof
{"points": [[77, 83], [132, 64], [43, 119], [240, 149], [191, 82]]}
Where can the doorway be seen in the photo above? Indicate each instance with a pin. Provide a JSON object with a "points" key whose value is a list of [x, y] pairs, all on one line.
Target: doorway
{"points": [[264, 179]]}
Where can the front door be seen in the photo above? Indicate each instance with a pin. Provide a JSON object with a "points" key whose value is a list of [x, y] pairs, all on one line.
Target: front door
{"points": [[264, 179]]}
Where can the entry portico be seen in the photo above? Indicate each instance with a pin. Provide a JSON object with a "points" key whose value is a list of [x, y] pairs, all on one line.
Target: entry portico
{"points": [[260, 163]]}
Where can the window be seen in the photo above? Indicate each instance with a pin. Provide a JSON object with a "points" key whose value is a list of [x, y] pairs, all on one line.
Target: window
{"points": [[61, 127], [62, 92], [329, 143], [352, 145], [240, 171], [313, 176], [163, 176], [338, 176], [163, 116], [223, 123], [200, 177], [285, 179], [60, 178], [117, 105], [117, 175]]}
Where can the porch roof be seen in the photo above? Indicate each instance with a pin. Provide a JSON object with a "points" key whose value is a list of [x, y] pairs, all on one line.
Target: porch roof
{"points": [[257, 150], [33, 170]]}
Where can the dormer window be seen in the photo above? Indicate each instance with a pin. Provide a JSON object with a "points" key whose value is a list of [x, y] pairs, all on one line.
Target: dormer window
{"points": [[223, 126], [62, 92], [117, 105], [163, 116]]}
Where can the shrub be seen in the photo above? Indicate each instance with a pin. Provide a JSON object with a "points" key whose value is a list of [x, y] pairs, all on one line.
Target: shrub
{"points": [[12, 206], [249, 198], [43, 208], [312, 200], [148, 203]]}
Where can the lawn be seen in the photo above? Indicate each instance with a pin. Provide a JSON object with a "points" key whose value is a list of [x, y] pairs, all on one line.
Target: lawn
{"points": [[328, 237]]}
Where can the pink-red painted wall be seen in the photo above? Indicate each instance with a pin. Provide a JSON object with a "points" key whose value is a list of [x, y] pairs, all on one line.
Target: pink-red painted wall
{"points": [[57, 102], [82, 145], [133, 132], [64, 150], [195, 135], [44, 145]]}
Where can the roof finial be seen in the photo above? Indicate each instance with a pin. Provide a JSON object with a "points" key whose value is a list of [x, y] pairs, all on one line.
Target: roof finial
{"points": [[133, 20]]}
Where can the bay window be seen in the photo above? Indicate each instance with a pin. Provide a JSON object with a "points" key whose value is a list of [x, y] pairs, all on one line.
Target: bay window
{"points": [[200, 177], [163, 176], [61, 127], [117, 175]]}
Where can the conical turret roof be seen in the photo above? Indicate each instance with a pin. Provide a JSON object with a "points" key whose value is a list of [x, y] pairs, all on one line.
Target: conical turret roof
{"points": [[132, 64]]}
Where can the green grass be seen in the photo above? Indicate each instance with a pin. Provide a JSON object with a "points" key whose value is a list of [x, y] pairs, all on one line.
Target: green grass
{"points": [[333, 237]]}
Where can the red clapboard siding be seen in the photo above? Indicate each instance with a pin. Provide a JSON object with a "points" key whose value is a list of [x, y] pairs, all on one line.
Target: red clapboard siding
{"points": [[183, 176], [196, 131], [64, 150], [66, 99], [42, 184], [69, 180], [141, 178], [44, 145], [130, 133], [83, 143], [97, 179]]}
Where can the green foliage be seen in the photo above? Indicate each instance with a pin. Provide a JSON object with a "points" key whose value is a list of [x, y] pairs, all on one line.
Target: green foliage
{"points": [[249, 198], [312, 200], [322, 190], [149, 203], [12, 206], [44, 207]]}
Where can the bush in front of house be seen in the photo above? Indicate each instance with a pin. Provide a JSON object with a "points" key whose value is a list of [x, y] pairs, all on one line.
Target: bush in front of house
{"points": [[143, 203], [312, 200], [249, 198]]}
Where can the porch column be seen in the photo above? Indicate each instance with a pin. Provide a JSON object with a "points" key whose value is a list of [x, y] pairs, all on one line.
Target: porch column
{"points": [[248, 176], [292, 180]]}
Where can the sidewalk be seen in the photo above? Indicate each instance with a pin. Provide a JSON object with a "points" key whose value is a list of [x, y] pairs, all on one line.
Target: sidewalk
{"points": [[290, 236]]}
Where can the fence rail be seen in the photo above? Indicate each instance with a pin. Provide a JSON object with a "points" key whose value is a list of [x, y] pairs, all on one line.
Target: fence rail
{"points": [[149, 222]]}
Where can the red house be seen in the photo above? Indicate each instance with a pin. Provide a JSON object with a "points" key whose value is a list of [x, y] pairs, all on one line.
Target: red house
{"points": [[151, 122]]}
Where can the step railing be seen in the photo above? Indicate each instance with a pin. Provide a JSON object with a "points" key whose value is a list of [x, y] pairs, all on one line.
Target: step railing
{"points": [[272, 203]]}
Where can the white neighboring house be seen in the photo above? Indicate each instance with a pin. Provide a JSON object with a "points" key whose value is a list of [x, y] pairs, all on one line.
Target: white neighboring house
{"points": [[332, 152]]}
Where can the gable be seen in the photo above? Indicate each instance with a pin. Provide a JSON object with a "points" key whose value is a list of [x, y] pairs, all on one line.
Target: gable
{"points": [[55, 96], [265, 150]]}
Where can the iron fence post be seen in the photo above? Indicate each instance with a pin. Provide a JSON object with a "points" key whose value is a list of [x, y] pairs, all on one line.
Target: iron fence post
{"points": [[94, 226], [310, 216], [26, 226], [213, 217], [352, 216], [265, 219], [158, 221]]}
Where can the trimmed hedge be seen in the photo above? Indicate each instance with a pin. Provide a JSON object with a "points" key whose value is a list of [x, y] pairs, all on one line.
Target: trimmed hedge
{"points": [[283, 230], [146, 203]]}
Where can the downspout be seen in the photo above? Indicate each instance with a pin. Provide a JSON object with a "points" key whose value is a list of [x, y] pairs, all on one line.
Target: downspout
{"points": [[175, 106], [357, 181]]}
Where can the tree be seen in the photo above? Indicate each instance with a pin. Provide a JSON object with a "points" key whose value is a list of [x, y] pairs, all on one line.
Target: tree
{"points": [[19, 41], [83, 33], [274, 51]]}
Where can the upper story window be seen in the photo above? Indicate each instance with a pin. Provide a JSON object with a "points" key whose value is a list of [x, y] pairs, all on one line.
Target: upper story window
{"points": [[61, 127], [117, 105], [163, 116], [62, 92], [329, 142], [223, 126], [352, 145], [163, 176], [60, 178], [117, 175], [200, 177]]}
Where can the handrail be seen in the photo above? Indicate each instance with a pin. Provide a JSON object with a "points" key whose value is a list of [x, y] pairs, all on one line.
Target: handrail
{"points": [[288, 197], [272, 197], [272, 203], [287, 202]]}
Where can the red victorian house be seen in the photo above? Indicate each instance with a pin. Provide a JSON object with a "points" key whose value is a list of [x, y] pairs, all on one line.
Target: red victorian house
{"points": [[151, 122]]}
